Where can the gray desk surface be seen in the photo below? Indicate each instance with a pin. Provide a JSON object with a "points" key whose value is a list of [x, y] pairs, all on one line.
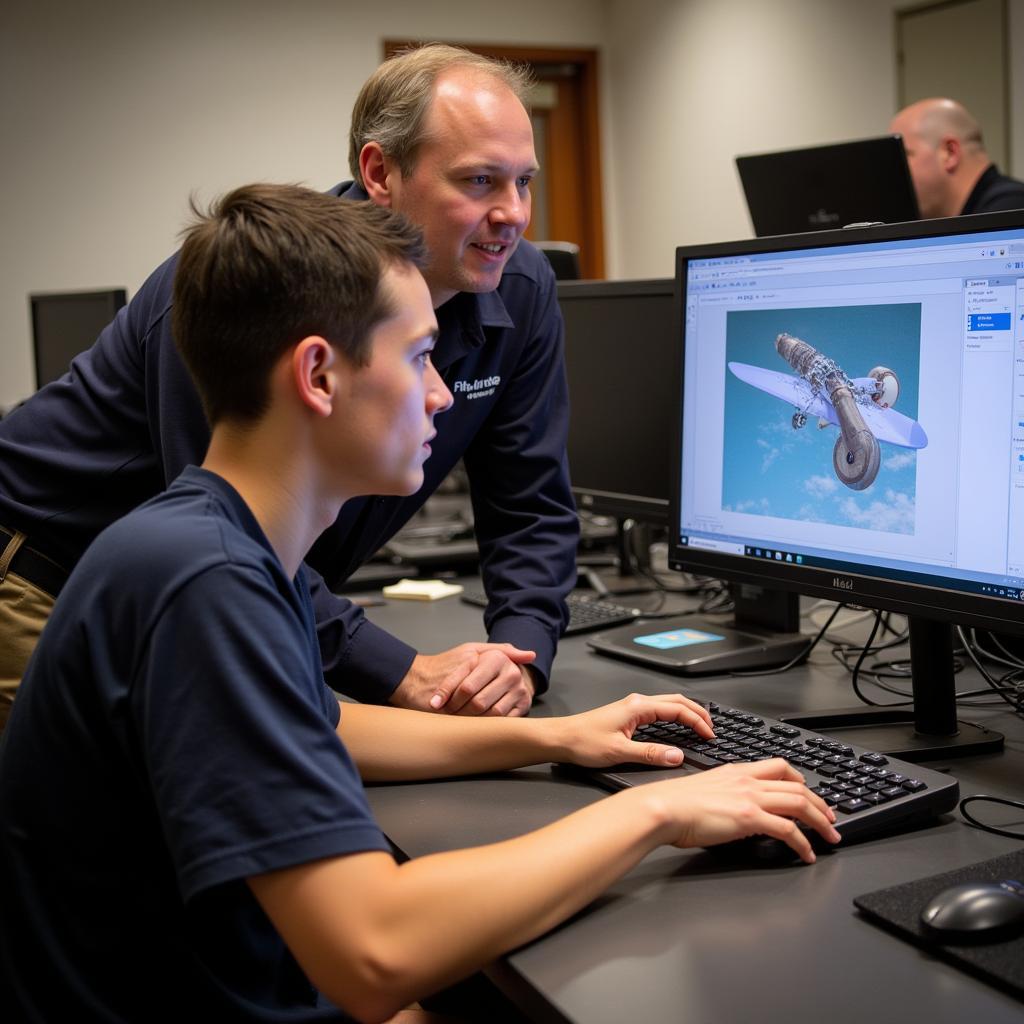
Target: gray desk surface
{"points": [[686, 936]]}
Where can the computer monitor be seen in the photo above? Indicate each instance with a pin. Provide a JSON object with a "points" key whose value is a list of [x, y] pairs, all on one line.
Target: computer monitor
{"points": [[67, 323], [619, 353], [852, 427], [828, 186]]}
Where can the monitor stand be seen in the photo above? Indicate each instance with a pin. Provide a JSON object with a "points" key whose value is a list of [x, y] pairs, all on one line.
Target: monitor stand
{"points": [[765, 635], [625, 571], [929, 732]]}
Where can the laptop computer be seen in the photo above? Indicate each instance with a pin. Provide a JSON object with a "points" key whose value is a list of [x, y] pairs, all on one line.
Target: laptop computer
{"points": [[828, 186]]}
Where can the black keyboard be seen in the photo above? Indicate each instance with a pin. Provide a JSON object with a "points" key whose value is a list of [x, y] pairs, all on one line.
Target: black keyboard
{"points": [[871, 793], [585, 615]]}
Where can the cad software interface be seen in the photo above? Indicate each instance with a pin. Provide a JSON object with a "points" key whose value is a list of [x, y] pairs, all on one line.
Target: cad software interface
{"points": [[860, 408]]}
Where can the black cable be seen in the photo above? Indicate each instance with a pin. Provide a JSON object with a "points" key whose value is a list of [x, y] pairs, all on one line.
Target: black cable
{"points": [[895, 668], [994, 829], [1017, 702], [1006, 658], [799, 657], [1008, 688], [860, 661], [842, 652], [717, 599], [687, 588]]}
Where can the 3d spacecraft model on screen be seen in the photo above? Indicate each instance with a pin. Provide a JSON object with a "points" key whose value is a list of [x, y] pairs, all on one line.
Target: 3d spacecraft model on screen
{"points": [[860, 407]]}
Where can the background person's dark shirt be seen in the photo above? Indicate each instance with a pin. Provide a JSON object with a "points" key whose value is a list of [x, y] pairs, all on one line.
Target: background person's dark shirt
{"points": [[994, 192]]}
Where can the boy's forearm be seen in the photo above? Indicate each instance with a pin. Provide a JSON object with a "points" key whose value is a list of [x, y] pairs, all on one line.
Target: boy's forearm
{"points": [[499, 897], [393, 744], [399, 931]]}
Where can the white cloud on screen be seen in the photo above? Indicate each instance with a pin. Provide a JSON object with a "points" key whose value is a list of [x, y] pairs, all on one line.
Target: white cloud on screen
{"points": [[893, 513]]}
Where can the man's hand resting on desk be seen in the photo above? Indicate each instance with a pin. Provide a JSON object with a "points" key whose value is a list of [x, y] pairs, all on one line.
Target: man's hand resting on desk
{"points": [[471, 679]]}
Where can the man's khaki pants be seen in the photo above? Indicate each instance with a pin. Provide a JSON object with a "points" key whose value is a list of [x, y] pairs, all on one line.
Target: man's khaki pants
{"points": [[24, 609]]}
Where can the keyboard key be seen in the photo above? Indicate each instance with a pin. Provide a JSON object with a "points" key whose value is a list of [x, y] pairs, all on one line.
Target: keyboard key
{"points": [[854, 805]]}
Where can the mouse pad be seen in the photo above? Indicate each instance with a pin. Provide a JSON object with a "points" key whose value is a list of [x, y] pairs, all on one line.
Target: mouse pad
{"points": [[899, 908]]}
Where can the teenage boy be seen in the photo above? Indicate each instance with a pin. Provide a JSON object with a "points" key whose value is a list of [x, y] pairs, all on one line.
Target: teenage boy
{"points": [[183, 828]]}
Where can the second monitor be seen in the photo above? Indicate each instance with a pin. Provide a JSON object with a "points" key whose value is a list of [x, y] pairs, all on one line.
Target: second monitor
{"points": [[828, 186], [67, 323], [619, 353]]}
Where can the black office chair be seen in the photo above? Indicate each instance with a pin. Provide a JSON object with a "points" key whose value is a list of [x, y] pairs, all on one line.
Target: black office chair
{"points": [[564, 258]]}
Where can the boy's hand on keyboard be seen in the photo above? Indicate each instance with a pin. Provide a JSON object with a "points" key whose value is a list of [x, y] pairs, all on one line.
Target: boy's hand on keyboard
{"points": [[735, 801], [602, 737]]}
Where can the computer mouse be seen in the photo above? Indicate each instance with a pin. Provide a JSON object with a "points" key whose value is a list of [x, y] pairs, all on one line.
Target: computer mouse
{"points": [[976, 912]]}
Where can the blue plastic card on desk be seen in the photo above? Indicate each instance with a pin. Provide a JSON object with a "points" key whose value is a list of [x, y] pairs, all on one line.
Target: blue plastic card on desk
{"points": [[671, 638]]}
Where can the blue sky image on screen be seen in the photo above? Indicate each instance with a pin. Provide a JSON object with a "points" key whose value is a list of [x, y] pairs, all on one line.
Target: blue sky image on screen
{"points": [[774, 470]]}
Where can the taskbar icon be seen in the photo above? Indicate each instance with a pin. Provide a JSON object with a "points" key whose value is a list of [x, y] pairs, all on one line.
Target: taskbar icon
{"points": [[774, 554]]}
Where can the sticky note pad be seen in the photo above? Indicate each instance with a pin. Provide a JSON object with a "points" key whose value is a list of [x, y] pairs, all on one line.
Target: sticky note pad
{"points": [[421, 590]]}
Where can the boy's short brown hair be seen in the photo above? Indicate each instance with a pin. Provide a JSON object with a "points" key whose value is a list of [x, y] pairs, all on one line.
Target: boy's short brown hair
{"points": [[269, 265]]}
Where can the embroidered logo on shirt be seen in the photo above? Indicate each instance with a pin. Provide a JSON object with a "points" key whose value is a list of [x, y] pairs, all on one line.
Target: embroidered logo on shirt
{"points": [[479, 388]]}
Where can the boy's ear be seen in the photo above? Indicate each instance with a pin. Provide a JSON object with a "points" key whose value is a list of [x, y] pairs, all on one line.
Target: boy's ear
{"points": [[314, 367], [378, 174]]}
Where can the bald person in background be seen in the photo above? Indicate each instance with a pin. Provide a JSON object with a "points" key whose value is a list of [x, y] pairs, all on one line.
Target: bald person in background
{"points": [[952, 173]]}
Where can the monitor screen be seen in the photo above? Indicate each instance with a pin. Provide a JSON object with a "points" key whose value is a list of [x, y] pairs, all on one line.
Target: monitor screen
{"points": [[68, 323], [619, 351], [852, 417], [828, 186]]}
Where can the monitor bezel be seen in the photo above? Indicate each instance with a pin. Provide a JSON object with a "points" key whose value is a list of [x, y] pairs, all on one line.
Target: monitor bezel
{"points": [[902, 596]]}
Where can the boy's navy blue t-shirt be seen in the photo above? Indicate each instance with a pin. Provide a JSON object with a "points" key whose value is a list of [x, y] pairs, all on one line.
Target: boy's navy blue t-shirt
{"points": [[173, 736]]}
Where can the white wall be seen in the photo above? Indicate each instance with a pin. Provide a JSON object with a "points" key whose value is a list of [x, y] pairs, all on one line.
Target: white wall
{"points": [[697, 83], [108, 120]]}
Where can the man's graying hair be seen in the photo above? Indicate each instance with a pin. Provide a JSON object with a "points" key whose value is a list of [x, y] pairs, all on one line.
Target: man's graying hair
{"points": [[391, 108]]}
